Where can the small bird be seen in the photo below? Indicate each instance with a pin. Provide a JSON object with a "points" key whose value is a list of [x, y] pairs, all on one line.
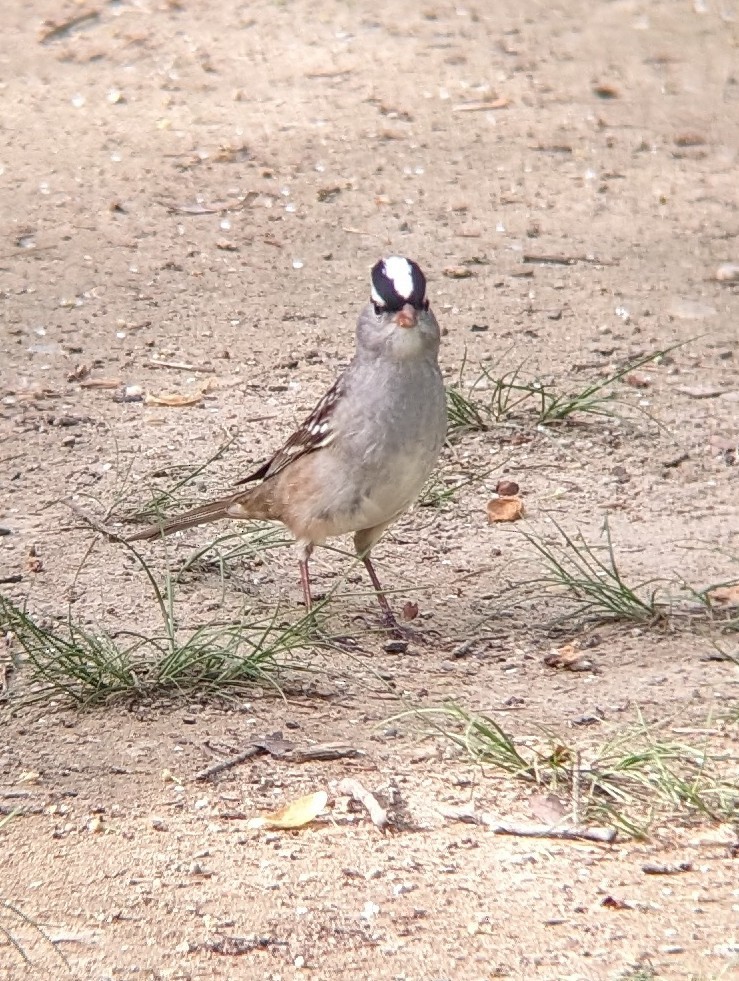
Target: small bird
{"points": [[362, 456]]}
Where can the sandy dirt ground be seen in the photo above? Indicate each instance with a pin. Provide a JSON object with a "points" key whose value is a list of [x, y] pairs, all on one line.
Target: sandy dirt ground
{"points": [[207, 184]]}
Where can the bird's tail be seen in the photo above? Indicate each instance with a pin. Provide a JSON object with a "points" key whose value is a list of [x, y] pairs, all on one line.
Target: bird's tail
{"points": [[251, 504]]}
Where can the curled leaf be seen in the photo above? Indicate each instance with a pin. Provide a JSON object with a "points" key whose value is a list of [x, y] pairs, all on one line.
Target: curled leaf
{"points": [[725, 595], [505, 509], [294, 815], [174, 399]]}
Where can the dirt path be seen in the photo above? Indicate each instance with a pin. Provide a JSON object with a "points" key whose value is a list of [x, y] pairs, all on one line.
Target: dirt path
{"points": [[192, 194]]}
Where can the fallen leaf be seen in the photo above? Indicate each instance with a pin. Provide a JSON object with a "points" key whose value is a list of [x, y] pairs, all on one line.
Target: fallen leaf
{"points": [[294, 815], [174, 399], [458, 272], [505, 509], [638, 380], [725, 595], [568, 657], [409, 611]]}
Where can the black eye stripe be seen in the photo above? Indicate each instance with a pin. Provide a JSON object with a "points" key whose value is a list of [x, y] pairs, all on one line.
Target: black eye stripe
{"points": [[388, 295]]}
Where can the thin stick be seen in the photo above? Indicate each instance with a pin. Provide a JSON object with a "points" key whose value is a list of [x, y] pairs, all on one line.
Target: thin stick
{"points": [[354, 789], [179, 366], [568, 260], [55, 31], [228, 764], [96, 525], [604, 835], [525, 830]]}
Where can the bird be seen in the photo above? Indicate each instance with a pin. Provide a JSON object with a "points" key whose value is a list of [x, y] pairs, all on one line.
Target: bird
{"points": [[362, 456]]}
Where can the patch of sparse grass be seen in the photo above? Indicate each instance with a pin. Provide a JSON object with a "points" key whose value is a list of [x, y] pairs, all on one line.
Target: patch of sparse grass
{"points": [[88, 665], [492, 399], [591, 576], [629, 782]]}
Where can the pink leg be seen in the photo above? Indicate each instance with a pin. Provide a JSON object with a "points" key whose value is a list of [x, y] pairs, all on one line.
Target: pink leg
{"points": [[305, 577], [387, 614]]}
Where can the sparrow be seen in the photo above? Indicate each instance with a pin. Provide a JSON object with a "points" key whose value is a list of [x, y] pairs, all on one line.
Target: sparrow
{"points": [[361, 457]]}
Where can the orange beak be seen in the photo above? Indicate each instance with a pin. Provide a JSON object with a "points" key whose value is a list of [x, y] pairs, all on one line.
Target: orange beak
{"points": [[407, 317]]}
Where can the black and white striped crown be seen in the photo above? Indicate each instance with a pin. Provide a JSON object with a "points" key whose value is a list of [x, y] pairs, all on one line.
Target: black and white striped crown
{"points": [[397, 281]]}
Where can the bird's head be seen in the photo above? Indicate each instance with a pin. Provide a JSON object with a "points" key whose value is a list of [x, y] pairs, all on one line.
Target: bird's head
{"points": [[398, 315]]}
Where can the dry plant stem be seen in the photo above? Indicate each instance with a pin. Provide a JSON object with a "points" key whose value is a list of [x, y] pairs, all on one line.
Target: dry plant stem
{"points": [[232, 761], [568, 260], [604, 835], [525, 830], [179, 366], [96, 525], [354, 789], [319, 752]]}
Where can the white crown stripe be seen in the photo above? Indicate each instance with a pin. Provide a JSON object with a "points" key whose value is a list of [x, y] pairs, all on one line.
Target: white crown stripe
{"points": [[400, 272]]}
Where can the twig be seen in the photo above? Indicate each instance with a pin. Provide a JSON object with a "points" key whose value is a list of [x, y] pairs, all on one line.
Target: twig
{"points": [[232, 761], [56, 31], [481, 106], [179, 366], [280, 749], [606, 835], [568, 260], [321, 751], [96, 525], [498, 827], [354, 789]]}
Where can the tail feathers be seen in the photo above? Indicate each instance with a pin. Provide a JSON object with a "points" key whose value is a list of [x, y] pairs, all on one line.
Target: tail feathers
{"points": [[236, 506]]}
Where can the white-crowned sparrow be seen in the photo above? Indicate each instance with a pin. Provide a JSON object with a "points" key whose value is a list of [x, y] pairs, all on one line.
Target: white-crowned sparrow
{"points": [[362, 456]]}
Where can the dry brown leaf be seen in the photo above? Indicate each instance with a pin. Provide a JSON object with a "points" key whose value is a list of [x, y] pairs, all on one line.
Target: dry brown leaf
{"points": [[505, 509], [638, 379], [409, 611], [725, 595], [568, 657], [174, 399], [294, 815]]}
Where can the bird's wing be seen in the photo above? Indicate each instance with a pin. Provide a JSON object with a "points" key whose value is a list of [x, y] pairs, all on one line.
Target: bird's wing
{"points": [[316, 432]]}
